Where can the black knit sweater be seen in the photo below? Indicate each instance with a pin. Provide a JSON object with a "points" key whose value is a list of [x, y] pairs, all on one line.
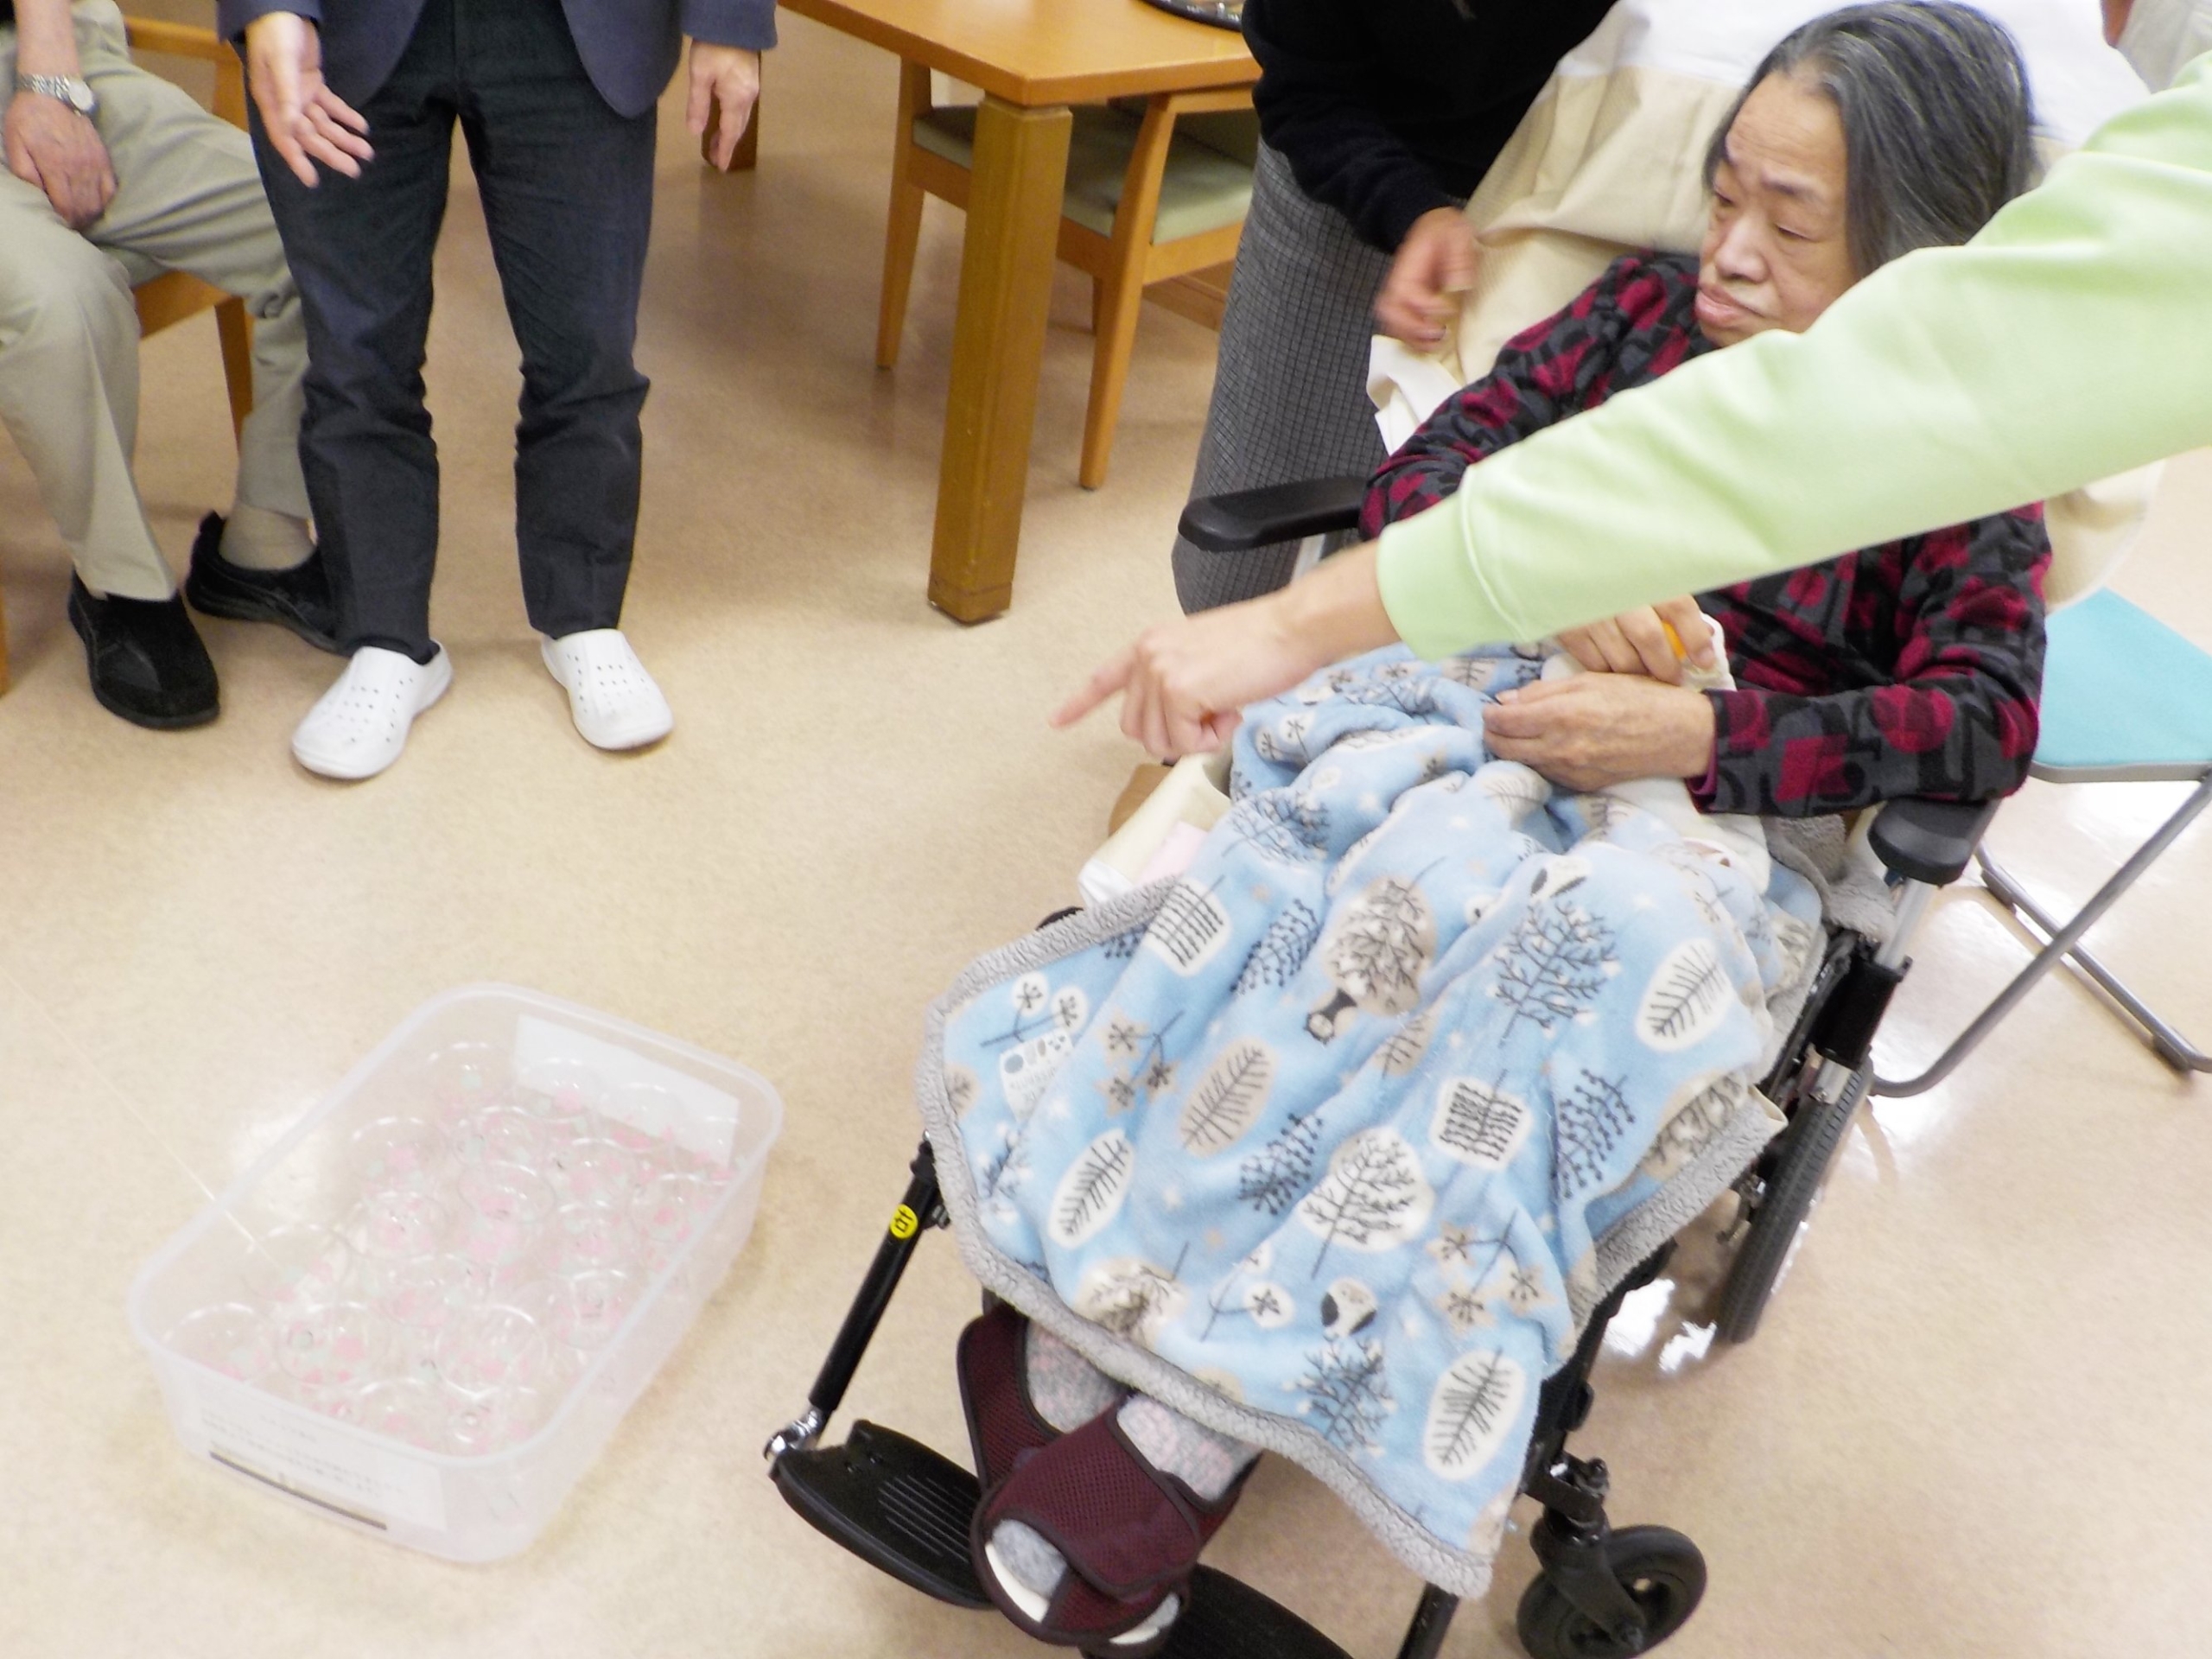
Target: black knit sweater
{"points": [[1385, 109]]}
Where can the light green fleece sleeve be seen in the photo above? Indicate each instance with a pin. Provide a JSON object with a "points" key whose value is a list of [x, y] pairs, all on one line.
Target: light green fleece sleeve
{"points": [[2071, 340]]}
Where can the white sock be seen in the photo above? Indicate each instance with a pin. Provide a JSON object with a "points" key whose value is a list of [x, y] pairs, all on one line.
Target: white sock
{"points": [[258, 538]]}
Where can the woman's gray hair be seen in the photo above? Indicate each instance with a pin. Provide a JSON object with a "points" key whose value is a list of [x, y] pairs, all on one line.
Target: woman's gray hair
{"points": [[1937, 120]]}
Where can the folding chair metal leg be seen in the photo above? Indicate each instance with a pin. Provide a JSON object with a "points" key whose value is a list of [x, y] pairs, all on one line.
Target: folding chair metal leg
{"points": [[2167, 1043], [2065, 942]]}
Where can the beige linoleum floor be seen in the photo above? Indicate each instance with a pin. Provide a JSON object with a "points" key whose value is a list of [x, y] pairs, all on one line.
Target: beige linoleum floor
{"points": [[1976, 1424]]}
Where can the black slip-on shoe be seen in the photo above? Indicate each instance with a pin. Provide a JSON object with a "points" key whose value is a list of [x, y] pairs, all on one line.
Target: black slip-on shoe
{"points": [[298, 599], [145, 659]]}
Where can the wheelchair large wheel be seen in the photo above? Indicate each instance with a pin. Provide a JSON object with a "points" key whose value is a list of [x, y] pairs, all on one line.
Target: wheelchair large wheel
{"points": [[1663, 1573], [1807, 1149]]}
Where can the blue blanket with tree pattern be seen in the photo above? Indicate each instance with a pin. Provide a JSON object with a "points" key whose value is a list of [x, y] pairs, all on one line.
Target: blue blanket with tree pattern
{"points": [[1334, 1141]]}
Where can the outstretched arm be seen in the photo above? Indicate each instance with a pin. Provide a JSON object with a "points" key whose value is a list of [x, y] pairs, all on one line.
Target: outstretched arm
{"points": [[2065, 343]]}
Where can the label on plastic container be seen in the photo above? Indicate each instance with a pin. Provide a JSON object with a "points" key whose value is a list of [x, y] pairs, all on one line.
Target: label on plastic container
{"points": [[264, 1439]]}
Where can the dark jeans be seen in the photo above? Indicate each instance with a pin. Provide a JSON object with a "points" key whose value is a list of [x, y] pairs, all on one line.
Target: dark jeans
{"points": [[566, 185]]}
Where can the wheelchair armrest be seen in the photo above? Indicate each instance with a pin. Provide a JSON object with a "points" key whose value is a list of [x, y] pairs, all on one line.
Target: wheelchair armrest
{"points": [[1929, 841], [1281, 512]]}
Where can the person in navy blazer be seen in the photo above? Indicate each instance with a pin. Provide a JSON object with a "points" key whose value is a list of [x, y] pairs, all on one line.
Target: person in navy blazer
{"points": [[355, 105]]}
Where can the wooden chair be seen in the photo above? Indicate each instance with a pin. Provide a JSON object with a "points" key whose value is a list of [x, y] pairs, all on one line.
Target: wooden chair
{"points": [[174, 296], [1157, 190]]}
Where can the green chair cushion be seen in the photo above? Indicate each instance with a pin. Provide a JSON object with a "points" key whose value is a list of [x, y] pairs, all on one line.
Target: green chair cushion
{"points": [[2123, 696], [1207, 184]]}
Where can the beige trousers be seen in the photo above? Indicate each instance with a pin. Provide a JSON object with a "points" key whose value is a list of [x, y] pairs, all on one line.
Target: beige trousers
{"points": [[187, 198]]}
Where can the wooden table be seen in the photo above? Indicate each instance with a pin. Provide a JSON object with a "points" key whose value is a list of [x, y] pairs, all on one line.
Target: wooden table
{"points": [[1032, 59]]}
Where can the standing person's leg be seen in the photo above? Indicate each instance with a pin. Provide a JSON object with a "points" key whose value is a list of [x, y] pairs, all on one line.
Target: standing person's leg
{"points": [[567, 185], [1290, 385], [189, 198], [360, 251]]}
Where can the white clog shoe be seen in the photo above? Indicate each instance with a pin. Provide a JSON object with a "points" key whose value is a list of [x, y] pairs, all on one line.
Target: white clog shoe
{"points": [[613, 700], [360, 725]]}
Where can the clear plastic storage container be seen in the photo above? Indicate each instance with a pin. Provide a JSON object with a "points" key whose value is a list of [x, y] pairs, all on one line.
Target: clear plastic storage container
{"points": [[424, 1312]]}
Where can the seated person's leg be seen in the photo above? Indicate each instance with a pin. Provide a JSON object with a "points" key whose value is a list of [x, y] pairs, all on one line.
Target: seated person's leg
{"points": [[69, 396], [189, 198], [1067, 1392]]}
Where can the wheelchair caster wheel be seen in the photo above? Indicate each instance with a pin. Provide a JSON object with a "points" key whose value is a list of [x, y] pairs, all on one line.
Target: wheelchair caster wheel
{"points": [[1663, 1574]]}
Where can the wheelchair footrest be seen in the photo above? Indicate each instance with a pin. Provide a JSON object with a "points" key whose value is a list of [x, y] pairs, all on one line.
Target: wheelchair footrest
{"points": [[905, 1509], [1228, 1619], [893, 1503]]}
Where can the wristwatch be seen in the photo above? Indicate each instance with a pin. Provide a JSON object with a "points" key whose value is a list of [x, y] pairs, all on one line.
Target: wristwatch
{"points": [[76, 93]]}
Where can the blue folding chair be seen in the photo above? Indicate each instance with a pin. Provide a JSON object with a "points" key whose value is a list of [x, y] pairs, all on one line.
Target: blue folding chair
{"points": [[2125, 700]]}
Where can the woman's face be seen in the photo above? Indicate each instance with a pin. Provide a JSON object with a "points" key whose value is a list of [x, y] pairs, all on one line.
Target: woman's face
{"points": [[1776, 254]]}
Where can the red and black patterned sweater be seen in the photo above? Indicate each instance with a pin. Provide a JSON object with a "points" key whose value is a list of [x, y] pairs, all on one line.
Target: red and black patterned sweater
{"points": [[1908, 669]]}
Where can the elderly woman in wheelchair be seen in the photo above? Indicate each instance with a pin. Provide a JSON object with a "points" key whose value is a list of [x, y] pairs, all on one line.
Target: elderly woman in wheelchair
{"points": [[1346, 1142]]}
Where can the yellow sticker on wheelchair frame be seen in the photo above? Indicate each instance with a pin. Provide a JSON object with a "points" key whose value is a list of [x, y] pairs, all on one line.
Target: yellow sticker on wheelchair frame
{"points": [[905, 1224]]}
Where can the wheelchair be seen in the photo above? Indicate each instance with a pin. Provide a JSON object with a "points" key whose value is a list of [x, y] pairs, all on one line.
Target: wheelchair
{"points": [[1601, 1592]]}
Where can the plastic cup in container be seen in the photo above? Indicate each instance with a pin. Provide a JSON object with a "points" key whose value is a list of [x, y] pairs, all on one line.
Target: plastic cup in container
{"points": [[396, 1151], [591, 1172], [476, 1424], [591, 1236], [231, 1337], [500, 1135], [296, 1264], [401, 1224], [486, 1350], [665, 1210], [415, 1291], [468, 1076], [414, 1357], [507, 1207], [404, 1408], [337, 1346], [471, 1283], [592, 1305], [563, 1095]]}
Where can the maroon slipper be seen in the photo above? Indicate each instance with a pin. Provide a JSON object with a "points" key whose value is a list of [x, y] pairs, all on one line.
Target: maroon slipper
{"points": [[1129, 1533], [1003, 1424]]}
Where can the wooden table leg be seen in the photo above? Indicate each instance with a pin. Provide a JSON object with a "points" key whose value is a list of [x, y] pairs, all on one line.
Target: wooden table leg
{"points": [[998, 345]]}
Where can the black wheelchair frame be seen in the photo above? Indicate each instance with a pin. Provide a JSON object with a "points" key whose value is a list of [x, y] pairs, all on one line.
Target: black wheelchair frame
{"points": [[1601, 1592], [905, 1509]]}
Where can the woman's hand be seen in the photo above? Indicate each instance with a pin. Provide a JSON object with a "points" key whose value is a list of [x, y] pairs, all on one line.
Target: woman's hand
{"points": [[1184, 683], [1435, 265], [1636, 642], [725, 79], [306, 121], [1596, 729]]}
